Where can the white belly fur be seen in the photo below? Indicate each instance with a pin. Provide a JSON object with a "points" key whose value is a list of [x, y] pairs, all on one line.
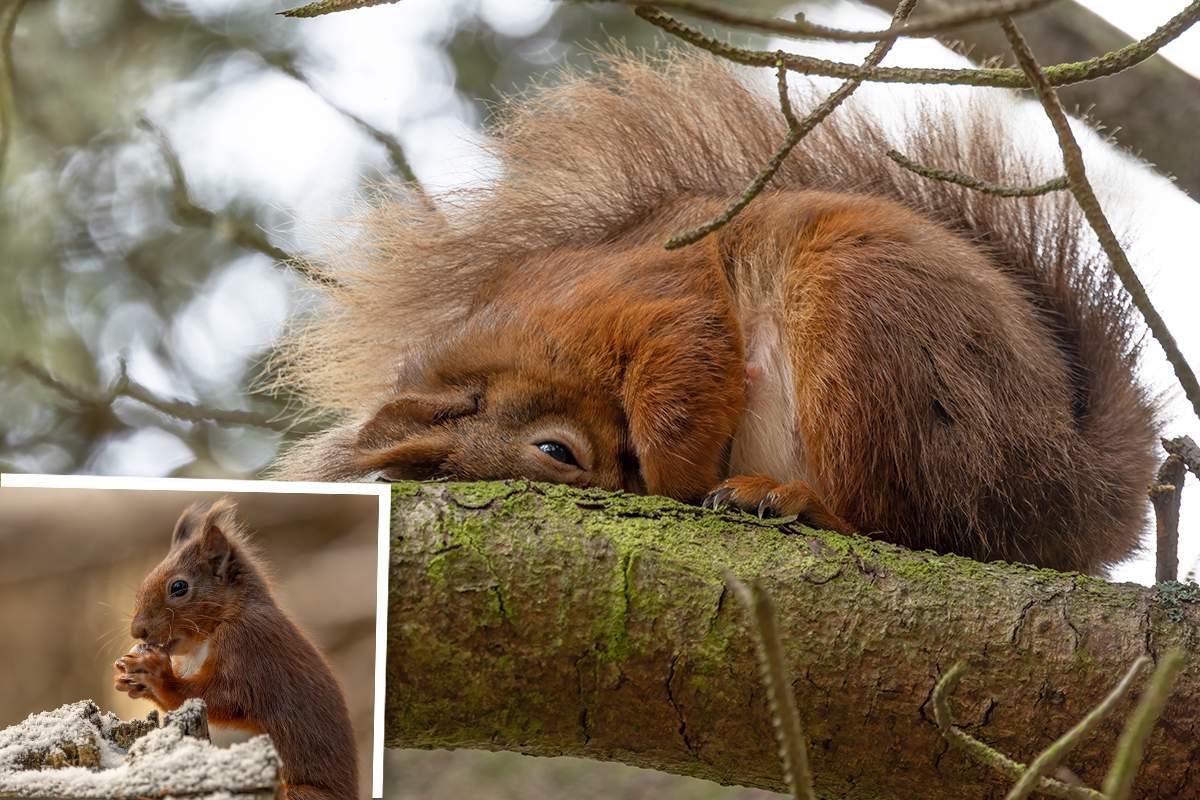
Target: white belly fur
{"points": [[188, 664], [767, 440]]}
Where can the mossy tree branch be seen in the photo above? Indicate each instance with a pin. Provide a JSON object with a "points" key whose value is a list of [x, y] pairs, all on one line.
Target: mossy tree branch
{"points": [[567, 622]]}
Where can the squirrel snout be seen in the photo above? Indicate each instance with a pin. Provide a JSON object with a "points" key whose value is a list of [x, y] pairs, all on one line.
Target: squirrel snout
{"points": [[137, 629]]}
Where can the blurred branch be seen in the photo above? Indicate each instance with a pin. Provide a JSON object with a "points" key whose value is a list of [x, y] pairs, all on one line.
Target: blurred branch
{"points": [[1131, 746], [240, 231], [1053, 755], [1058, 75], [987, 187], [1032, 778], [179, 409], [793, 752], [330, 6], [9, 11], [1082, 189], [797, 130], [395, 150], [930, 25]]}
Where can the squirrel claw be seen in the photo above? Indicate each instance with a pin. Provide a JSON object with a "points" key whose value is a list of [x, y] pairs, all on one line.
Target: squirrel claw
{"points": [[766, 507], [768, 498], [717, 498], [131, 686]]}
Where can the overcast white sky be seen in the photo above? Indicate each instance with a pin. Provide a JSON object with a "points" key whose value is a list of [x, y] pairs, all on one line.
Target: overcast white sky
{"points": [[272, 137]]}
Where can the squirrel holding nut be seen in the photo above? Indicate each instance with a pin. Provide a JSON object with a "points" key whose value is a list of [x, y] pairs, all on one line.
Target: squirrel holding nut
{"points": [[211, 629], [869, 349]]}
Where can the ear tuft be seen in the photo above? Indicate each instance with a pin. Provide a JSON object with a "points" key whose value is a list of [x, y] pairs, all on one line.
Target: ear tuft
{"points": [[221, 539], [190, 522]]}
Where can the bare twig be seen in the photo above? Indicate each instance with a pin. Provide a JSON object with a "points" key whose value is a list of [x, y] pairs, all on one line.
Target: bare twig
{"points": [[930, 25], [1132, 744], [1185, 448], [240, 231], [179, 409], [950, 176], [1082, 189], [1058, 75], [793, 754], [9, 11], [1165, 496], [330, 6], [797, 130]]}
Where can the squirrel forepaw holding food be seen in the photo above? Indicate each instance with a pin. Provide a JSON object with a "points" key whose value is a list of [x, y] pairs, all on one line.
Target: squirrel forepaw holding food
{"points": [[141, 671]]}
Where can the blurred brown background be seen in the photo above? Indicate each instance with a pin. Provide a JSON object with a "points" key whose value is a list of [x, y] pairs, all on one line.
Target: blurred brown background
{"points": [[71, 561]]}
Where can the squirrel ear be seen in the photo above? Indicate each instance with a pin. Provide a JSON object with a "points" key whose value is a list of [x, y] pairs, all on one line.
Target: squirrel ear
{"points": [[218, 551], [406, 415], [215, 544], [190, 520]]}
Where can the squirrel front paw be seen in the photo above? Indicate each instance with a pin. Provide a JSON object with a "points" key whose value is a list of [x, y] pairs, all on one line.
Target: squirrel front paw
{"points": [[767, 497], [141, 671]]}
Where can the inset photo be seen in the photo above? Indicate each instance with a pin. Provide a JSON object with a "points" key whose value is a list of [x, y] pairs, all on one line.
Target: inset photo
{"points": [[126, 601]]}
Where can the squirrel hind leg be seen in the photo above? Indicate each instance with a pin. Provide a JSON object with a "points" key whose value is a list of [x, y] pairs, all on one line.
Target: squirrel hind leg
{"points": [[763, 495]]}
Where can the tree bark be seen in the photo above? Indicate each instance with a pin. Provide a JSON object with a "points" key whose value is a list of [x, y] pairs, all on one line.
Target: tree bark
{"points": [[555, 621], [1156, 105]]}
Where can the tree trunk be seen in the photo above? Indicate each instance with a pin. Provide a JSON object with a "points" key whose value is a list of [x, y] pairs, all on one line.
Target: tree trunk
{"points": [[556, 621]]}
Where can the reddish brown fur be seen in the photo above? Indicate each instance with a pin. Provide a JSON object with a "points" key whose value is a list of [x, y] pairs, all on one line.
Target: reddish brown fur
{"points": [[870, 349], [261, 674]]}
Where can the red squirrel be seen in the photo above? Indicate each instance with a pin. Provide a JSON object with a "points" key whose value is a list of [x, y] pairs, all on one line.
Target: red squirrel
{"points": [[211, 629], [866, 348]]}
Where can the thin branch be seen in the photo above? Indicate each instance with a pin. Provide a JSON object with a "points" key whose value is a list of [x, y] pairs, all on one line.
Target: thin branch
{"points": [[793, 754], [178, 409], [9, 11], [1132, 744], [1082, 189], [986, 755], [930, 25], [987, 187], [1053, 755], [330, 6], [1165, 495], [797, 130], [1058, 75], [237, 230]]}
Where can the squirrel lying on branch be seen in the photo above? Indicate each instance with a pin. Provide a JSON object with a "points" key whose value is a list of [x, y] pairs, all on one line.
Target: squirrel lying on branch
{"points": [[872, 350]]}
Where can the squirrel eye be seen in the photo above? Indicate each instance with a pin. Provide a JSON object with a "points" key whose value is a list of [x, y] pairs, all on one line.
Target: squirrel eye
{"points": [[558, 452], [179, 588]]}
